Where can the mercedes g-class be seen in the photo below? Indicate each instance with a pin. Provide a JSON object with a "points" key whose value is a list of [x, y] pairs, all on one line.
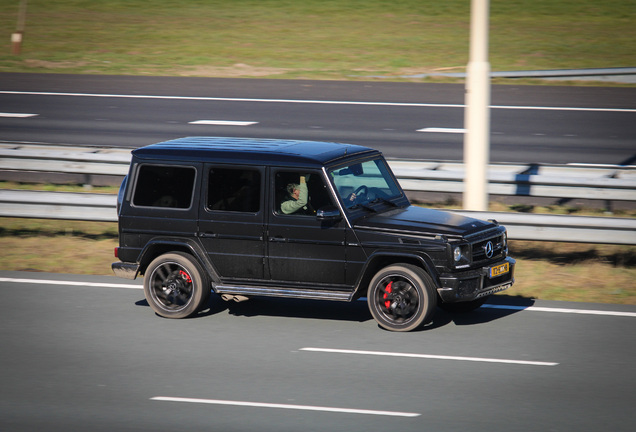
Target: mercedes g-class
{"points": [[313, 220]]}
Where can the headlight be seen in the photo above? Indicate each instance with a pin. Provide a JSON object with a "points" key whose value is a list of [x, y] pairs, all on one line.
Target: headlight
{"points": [[457, 253]]}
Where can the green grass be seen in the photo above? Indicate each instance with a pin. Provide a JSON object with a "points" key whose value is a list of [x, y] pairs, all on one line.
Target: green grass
{"points": [[317, 39]]}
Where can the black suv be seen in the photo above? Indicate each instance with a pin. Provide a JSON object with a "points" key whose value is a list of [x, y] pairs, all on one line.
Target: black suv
{"points": [[302, 219]]}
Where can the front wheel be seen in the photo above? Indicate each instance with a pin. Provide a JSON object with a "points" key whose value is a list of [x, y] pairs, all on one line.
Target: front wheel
{"points": [[175, 285], [401, 297]]}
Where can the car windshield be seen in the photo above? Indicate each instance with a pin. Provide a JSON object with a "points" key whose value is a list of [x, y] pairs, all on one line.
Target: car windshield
{"points": [[365, 183]]}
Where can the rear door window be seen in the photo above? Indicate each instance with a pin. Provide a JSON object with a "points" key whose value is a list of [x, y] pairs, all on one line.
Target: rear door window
{"points": [[234, 190], [164, 186]]}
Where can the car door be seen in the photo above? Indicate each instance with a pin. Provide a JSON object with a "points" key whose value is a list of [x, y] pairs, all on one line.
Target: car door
{"points": [[303, 250], [231, 227]]}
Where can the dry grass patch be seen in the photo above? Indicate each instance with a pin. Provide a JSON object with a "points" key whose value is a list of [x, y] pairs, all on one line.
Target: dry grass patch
{"points": [[547, 271], [59, 254], [575, 272]]}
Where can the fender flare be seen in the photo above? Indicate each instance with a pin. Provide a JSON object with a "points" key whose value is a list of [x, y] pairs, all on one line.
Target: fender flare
{"points": [[161, 245], [369, 269]]}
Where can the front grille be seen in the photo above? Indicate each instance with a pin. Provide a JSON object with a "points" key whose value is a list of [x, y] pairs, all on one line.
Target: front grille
{"points": [[479, 248]]}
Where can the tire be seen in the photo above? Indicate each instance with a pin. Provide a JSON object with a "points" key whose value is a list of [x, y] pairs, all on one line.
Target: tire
{"points": [[463, 307], [401, 297], [175, 285]]}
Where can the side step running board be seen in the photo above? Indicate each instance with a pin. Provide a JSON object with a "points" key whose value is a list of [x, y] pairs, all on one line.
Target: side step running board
{"points": [[283, 292]]}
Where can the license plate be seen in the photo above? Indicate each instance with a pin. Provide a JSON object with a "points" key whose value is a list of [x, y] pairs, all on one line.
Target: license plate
{"points": [[499, 270]]}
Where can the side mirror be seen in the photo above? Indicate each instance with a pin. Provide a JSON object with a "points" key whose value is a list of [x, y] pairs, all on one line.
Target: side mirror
{"points": [[328, 213]]}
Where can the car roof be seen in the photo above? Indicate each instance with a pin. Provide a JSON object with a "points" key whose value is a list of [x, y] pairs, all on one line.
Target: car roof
{"points": [[251, 150]]}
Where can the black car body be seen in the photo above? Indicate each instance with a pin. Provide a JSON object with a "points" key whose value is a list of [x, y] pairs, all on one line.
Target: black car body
{"points": [[205, 214]]}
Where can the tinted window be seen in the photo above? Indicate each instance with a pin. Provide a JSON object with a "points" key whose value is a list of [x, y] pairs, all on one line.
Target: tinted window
{"points": [[234, 189], [164, 186]]}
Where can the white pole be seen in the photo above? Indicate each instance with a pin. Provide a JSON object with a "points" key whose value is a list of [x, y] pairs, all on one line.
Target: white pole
{"points": [[477, 111]]}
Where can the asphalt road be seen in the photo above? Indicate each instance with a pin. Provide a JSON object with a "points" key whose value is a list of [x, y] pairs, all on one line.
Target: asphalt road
{"points": [[87, 353], [529, 124]]}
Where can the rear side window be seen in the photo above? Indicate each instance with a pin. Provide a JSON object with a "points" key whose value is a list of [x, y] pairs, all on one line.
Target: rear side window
{"points": [[234, 189], [164, 186]]}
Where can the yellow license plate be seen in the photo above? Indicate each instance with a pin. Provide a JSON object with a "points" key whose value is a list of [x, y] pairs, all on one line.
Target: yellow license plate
{"points": [[499, 270]]}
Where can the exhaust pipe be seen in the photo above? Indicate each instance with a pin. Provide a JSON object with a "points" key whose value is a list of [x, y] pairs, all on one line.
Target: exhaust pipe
{"points": [[235, 297]]}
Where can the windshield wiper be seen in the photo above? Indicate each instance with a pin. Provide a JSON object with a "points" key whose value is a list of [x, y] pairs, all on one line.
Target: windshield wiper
{"points": [[385, 201], [364, 206]]}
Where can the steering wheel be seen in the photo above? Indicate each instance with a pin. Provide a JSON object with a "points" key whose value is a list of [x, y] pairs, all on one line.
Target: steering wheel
{"points": [[361, 191]]}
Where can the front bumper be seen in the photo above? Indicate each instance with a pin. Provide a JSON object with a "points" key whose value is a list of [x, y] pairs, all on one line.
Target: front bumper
{"points": [[473, 284], [125, 270]]}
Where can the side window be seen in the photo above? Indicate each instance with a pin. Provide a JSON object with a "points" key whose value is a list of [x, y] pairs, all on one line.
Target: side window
{"points": [[300, 193], [164, 186], [234, 189]]}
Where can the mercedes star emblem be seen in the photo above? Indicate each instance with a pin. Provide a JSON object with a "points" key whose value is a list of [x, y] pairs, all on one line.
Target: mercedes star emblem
{"points": [[488, 249]]}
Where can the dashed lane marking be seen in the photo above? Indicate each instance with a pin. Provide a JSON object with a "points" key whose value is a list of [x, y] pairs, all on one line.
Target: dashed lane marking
{"points": [[442, 130], [430, 356], [222, 122], [16, 115], [285, 406]]}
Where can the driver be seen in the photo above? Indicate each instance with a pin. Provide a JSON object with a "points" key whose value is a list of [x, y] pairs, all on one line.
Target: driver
{"points": [[298, 198]]}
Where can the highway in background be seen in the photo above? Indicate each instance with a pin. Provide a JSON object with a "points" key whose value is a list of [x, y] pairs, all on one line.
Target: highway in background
{"points": [[86, 353], [530, 124]]}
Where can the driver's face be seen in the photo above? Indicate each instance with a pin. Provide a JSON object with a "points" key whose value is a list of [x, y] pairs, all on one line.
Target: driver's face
{"points": [[296, 193]]}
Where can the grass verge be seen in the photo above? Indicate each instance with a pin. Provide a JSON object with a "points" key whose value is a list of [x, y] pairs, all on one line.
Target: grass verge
{"points": [[548, 271], [312, 39]]}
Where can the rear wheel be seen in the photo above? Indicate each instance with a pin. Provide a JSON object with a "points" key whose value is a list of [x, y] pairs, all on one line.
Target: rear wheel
{"points": [[401, 297], [175, 285]]}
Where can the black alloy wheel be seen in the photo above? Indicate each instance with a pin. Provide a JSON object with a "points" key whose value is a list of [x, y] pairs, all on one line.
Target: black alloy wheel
{"points": [[175, 286], [401, 297]]}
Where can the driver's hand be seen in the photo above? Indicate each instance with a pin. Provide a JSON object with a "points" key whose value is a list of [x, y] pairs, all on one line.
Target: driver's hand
{"points": [[352, 197]]}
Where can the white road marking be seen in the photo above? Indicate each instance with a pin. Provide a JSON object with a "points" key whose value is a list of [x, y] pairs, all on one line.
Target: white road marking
{"points": [[443, 130], [71, 283], [16, 115], [286, 406], [222, 122], [429, 356], [561, 310], [490, 306], [302, 101]]}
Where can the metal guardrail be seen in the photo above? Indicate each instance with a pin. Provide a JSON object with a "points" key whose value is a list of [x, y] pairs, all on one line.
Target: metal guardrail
{"points": [[600, 182], [64, 159], [521, 226], [620, 74], [58, 205], [563, 228], [590, 182]]}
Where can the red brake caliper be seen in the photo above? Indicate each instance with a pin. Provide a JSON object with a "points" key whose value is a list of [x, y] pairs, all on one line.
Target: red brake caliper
{"points": [[387, 290], [185, 276]]}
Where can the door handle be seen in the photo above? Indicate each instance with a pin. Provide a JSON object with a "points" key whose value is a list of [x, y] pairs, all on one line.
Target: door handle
{"points": [[208, 235]]}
